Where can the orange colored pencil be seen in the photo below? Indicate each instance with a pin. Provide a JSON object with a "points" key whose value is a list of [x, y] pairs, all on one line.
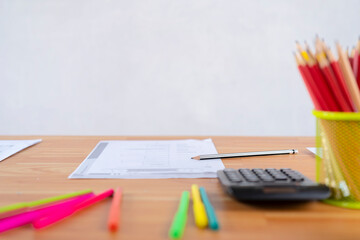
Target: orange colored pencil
{"points": [[114, 214], [349, 77]]}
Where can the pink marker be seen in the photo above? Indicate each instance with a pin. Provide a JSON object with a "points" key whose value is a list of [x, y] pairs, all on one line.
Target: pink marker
{"points": [[59, 215], [28, 217]]}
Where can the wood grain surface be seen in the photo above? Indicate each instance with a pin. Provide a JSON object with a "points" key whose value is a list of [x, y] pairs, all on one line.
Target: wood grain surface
{"points": [[148, 206]]}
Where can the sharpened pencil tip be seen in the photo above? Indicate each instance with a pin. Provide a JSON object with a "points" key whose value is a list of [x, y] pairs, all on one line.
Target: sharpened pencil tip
{"points": [[196, 158]]}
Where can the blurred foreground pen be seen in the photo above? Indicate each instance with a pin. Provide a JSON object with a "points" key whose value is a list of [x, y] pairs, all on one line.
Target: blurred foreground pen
{"points": [[114, 215], [179, 221], [210, 212], [59, 214], [245, 154], [199, 210]]}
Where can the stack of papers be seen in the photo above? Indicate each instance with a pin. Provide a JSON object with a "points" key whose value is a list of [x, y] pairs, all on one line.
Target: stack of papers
{"points": [[10, 147], [149, 159]]}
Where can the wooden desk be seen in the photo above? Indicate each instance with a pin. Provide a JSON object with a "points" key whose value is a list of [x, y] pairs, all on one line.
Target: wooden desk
{"points": [[149, 205]]}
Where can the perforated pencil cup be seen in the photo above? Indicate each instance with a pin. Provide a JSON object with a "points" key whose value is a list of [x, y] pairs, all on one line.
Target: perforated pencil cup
{"points": [[338, 156]]}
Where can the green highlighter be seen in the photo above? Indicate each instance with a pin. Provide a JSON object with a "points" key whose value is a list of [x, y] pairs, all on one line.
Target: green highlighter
{"points": [[213, 222], [24, 205], [179, 222]]}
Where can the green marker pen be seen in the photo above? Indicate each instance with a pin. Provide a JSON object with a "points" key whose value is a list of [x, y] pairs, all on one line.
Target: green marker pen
{"points": [[179, 222], [24, 205]]}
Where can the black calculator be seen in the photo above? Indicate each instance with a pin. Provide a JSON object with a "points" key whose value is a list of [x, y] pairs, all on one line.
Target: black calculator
{"points": [[270, 184]]}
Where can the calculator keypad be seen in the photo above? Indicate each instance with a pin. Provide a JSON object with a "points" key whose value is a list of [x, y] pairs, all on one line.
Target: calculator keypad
{"points": [[293, 175], [276, 174], [263, 175], [270, 184], [268, 175]]}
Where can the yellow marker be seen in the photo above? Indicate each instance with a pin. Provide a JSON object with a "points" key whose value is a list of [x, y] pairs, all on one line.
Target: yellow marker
{"points": [[200, 216]]}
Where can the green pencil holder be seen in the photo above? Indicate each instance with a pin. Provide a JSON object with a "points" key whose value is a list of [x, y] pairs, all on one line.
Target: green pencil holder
{"points": [[338, 156]]}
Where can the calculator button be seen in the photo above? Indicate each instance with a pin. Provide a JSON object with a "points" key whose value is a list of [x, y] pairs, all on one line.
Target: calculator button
{"points": [[293, 175], [234, 179], [232, 175], [276, 174], [264, 176], [249, 175]]}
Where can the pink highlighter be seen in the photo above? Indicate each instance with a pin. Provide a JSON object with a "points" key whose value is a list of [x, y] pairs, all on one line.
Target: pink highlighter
{"points": [[57, 215], [30, 216]]}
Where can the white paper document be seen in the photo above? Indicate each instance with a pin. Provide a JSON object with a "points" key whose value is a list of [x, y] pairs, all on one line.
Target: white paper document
{"points": [[315, 151], [10, 147], [149, 159]]}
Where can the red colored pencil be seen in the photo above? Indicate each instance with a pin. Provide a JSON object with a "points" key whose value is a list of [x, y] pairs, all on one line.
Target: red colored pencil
{"points": [[358, 72], [314, 92], [114, 214], [339, 75], [356, 63], [319, 80], [323, 86], [331, 79], [334, 105]]}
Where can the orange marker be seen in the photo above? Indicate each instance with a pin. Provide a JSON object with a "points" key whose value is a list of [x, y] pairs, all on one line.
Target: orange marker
{"points": [[114, 214]]}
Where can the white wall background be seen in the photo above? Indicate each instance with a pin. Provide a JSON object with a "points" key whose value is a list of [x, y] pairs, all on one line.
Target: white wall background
{"points": [[161, 67]]}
